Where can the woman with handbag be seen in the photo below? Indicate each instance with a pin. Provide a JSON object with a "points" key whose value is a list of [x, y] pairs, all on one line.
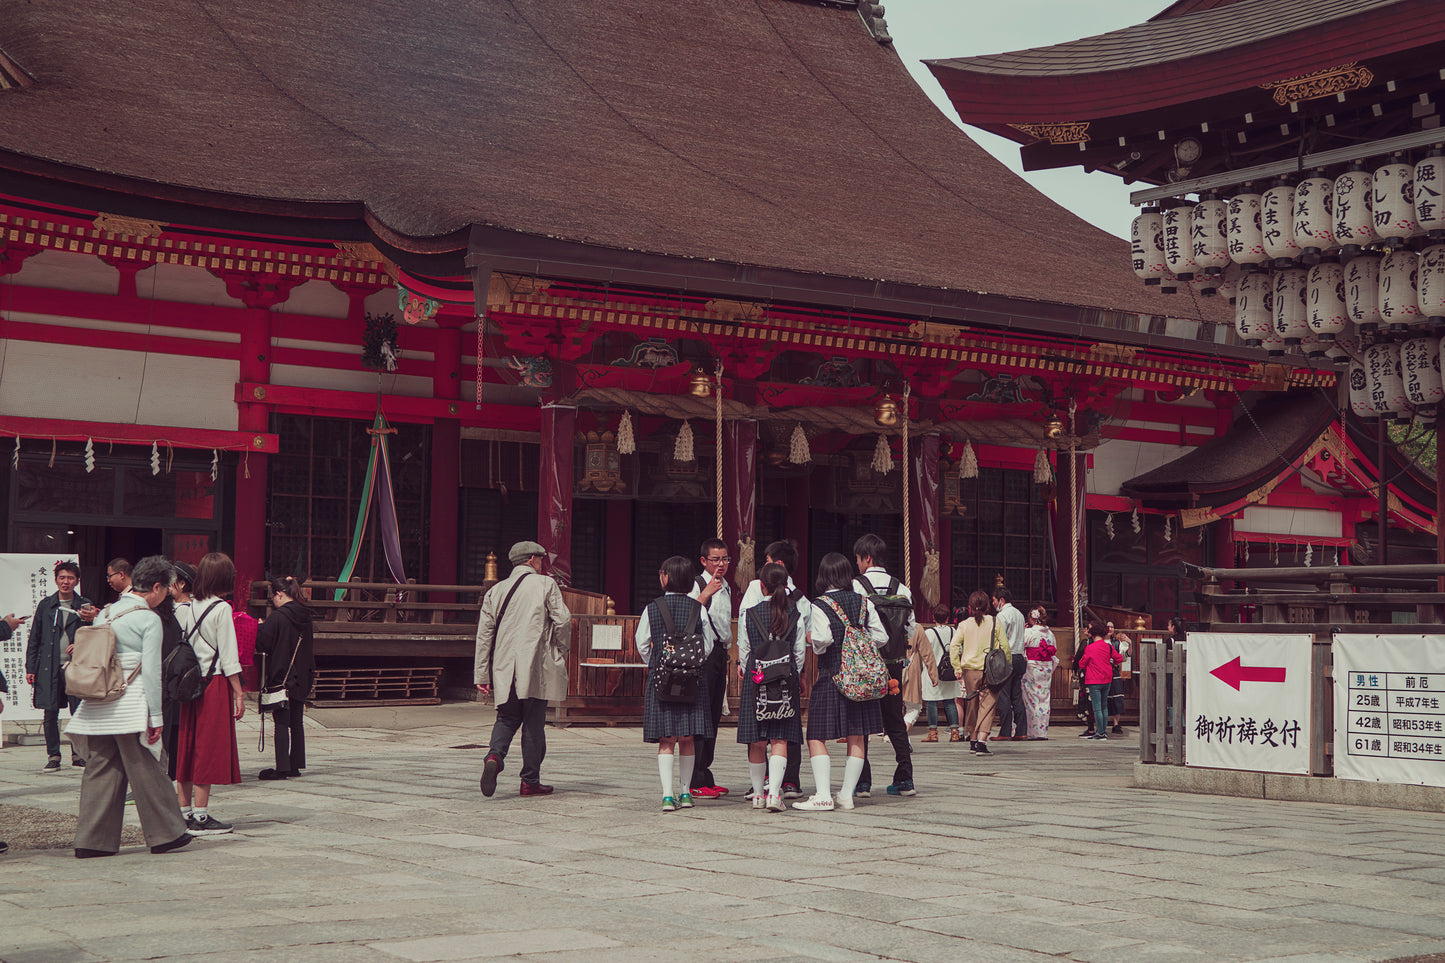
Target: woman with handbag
{"points": [[285, 653], [831, 715], [120, 739], [206, 750], [674, 724], [1039, 649], [772, 643], [968, 651], [938, 682]]}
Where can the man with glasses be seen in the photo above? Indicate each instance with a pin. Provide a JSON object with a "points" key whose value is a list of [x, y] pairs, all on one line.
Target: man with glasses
{"points": [[711, 589]]}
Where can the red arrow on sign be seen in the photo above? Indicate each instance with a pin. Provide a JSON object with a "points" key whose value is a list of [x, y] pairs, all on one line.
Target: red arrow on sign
{"points": [[1232, 673]]}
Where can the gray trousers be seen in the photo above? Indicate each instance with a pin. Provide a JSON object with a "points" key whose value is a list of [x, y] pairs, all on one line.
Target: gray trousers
{"points": [[112, 763], [529, 715]]}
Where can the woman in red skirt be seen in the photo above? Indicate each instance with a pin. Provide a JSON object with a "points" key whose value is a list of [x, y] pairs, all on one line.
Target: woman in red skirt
{"points": [[206, 753]]}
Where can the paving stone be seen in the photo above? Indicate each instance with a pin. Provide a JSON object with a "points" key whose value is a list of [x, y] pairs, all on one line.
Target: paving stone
{"points": [[484, 945]]}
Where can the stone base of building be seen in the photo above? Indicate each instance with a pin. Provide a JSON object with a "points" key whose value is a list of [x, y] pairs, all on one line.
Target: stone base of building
{"points": [[1270, 785]]}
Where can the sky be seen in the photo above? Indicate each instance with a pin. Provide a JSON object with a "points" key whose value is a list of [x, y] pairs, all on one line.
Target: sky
{"points": [[939, 29]]}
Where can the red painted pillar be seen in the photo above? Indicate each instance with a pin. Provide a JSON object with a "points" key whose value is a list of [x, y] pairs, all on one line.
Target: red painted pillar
{"points": [[617, 577], [446, 442], [554, 497], [249, 550]]}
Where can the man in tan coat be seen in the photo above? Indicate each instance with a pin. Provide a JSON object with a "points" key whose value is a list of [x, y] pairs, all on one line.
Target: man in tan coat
{"points": [[522, 641]]}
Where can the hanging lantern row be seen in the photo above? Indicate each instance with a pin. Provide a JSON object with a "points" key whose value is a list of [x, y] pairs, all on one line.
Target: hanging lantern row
{"points": [[1398, 381], [1302, 261]]}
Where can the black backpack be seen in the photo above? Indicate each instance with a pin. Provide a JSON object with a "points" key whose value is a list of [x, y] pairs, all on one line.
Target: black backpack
{"points": [[946, 671], [894, 611], [680, 658], [184, 680], [773, 658]]}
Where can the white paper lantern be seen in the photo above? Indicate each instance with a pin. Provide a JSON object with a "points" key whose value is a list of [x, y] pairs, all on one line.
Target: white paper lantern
{"points": [[1344, 348], [1327, 300], [1362, 292], [1253, 309], [1354, 222], [1399, 302], [1242, 230], [1229, 281], [1420, 368], [1314, 201], [1208, 235], [1178, 252], [1429, 184], [1291, 314], [1311, 346], [1276, 214], [1146, 246], [1359, 383], [1393, 203], [1387, 388], [1430, 286]]}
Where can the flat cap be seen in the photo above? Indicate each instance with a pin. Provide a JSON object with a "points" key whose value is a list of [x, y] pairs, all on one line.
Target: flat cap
{"points": [[524, 550]]}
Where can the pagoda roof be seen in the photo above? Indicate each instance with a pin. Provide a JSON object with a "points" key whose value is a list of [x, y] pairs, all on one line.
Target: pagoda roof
{"points": [[774, 135], [1182, 58]]}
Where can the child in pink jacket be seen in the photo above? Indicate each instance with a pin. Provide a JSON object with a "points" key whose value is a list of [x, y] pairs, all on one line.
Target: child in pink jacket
{"points": [[1098, 663]]}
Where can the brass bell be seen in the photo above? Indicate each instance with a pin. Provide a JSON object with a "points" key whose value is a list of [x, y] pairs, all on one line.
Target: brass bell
{"points": [[699, 384], [1054, 426], [885, 412], [489, 571]]}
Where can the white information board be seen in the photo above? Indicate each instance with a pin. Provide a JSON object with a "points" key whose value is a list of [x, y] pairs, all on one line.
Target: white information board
{"points": [[24, 581], [1248, 699], [1390, 708]]}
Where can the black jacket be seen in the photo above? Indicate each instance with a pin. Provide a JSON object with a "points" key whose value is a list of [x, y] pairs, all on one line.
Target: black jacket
{"points": [[287, 630], [45, 648]]}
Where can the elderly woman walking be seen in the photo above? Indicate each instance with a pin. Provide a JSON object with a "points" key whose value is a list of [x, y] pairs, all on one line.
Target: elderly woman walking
{"points": [[121, 739]]}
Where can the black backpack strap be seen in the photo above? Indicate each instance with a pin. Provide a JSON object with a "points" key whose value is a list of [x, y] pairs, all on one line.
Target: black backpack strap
{"points": [[795, 594], [892, 586], [868, 588], [196, 630], [497, 625], [696, 620]]}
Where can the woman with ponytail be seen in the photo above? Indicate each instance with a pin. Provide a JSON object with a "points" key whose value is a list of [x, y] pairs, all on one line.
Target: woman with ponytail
{"points": [[770, 630], [968, 651], [284, 650]]}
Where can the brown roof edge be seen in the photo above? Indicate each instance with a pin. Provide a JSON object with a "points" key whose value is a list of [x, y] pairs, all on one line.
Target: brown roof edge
{"points": [[494, 249]]}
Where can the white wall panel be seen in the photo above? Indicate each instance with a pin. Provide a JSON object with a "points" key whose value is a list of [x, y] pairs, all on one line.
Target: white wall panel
{"points": [[1315, 522], [69, 272], [301, 376], [1115, 462]]}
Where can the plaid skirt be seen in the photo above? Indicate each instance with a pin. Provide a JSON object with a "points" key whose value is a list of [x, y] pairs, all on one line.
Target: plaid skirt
{"points": [[832, 715], [750, 730], [672, 719]]}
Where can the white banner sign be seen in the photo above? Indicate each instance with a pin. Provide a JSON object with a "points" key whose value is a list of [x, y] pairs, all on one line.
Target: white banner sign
{"points": [[24, 581], [1390, 708], [1248, 699]]}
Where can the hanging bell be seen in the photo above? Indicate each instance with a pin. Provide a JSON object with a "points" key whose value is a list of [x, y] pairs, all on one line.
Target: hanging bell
{"points": [[885, 412], [1054, 426], [699, 384]]}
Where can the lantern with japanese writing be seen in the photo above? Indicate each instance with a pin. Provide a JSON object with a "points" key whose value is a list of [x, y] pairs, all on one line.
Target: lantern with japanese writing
{"points": [[1354, 220], [1429, 182], [1178, 253], [1387, 388], [1314, 201], [1242, 230], [1311, 346], [1276, 215], [1362, 292], [1420, 367], [1393, 203], [1430, 289], [1146, 245], [1253, 309], [1208, 235], [1399, 303], [1359, 383], [1291, 316], [1327, 300]]}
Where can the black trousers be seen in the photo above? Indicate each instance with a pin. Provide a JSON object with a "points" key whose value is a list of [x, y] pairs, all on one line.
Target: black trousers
{"points": [[50, 725], [795, 764], [897, 732], [1012, 717], [530, 716], [717, 686], [288, 718]]}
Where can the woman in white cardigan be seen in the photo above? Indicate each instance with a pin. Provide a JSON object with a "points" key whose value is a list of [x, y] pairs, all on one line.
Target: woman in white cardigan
{"points": [[120, 740]]}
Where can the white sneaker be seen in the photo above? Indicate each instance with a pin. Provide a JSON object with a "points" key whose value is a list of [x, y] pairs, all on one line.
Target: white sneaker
{"points": [[815, 804], [841, 801], [759, 800], [775, 804]]}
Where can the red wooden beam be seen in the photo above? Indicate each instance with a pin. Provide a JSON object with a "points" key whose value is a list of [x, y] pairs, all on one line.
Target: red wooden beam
{"points": [[64, 430], [359, 404]]}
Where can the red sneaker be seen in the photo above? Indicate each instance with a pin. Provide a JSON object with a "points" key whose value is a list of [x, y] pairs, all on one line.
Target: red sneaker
{"points": [[535, 789], [720, 790], [705, 792]]}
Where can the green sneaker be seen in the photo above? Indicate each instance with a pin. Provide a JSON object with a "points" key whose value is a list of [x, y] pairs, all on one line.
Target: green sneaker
{"points": [[684, 801], [669, 804]]}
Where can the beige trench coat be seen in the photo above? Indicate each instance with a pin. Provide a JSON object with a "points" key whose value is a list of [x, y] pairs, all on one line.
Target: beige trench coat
{"points": [[529, 648]]}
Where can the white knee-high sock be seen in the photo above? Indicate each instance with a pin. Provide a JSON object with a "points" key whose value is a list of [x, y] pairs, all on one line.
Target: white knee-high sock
{"points": [[684, 772], [776, 766], [757, 771], [822, 774], [852, 769], [664, 769]]}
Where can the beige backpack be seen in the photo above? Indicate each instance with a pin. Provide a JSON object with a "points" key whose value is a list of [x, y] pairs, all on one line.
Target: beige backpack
{"points": [[93, 672]]}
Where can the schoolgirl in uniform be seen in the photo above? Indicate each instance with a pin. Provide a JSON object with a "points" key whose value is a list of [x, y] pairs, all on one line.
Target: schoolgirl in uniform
{"points": [[767, 739], [831, 715], [673, 725]]}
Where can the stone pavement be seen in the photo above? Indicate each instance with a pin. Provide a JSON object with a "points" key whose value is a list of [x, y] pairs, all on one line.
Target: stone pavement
{"points": [[386, 851]]}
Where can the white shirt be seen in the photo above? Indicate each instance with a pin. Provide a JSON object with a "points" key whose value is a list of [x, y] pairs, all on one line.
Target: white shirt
{"points": [[754, 594], [643, 638], [745, 640], [871, 623], [218, 631], [718, 610], [879, 579], [1011, 620]]}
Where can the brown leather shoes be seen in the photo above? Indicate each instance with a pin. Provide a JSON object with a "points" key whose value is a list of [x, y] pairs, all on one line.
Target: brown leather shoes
{"points": [[535, 789], [932, 736]]}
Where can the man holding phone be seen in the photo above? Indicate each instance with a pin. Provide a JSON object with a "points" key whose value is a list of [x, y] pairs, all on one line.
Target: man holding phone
{"points": [[52, 632]]}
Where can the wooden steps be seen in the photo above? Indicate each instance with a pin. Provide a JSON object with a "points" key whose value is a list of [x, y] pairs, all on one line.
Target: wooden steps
{"points": [[390, 686]]}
